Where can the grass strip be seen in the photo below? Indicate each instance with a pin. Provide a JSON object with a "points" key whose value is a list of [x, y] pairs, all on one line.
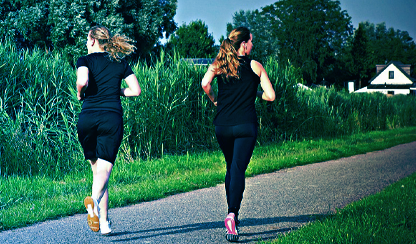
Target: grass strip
{"points": [[386, 217], [28, 200]]}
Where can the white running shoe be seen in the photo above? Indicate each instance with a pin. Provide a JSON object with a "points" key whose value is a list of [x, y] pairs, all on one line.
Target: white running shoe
{"points": [[105, 227]]}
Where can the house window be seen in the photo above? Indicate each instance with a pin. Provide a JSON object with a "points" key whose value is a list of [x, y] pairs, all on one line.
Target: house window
{"points": [[391, 74], [390, 92]]}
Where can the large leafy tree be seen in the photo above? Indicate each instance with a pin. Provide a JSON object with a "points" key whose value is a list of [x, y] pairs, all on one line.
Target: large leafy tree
{"points": [[264, 42], [310, 34], [193, 41], [63, 24]]}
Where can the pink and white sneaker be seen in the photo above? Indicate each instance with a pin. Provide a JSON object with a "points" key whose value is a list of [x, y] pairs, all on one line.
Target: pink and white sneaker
{"points": [[232, 233]]}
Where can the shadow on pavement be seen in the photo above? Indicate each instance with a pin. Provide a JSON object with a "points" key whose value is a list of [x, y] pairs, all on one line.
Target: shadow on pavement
{"points": [[245, 223]]}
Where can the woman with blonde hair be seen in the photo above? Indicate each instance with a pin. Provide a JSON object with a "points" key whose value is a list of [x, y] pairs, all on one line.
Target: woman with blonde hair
{"points": [[235, 122], [100, 123]]}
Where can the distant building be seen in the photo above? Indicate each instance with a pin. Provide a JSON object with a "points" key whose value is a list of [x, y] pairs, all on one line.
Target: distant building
{"points": [[391, 79], [302, 86], [199, 61]]}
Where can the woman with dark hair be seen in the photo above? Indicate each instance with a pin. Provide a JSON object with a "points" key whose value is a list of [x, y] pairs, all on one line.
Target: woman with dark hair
{"points": [[100, 123], [235, 123]]}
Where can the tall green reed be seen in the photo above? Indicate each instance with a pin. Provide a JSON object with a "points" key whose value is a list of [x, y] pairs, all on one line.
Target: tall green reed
{"points": [[300, 113], [277, 117], [171, 115], [39, 110]]}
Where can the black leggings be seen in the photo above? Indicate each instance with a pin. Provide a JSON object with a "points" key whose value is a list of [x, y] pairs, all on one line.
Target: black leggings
{"points": [[237, 144]]}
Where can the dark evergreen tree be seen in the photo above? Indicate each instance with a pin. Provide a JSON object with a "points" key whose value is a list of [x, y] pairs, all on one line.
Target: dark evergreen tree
{"points": [[360, 53], [387, 45]]}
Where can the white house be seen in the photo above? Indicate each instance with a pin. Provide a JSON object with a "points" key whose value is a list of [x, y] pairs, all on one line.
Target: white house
{"points": [[392, 79]]}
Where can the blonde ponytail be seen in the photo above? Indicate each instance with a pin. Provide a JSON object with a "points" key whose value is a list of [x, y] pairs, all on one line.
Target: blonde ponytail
{"points": [[117, 46]]}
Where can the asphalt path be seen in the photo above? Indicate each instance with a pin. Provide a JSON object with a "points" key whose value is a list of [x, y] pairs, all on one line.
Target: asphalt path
{"points": [[273, 203]]}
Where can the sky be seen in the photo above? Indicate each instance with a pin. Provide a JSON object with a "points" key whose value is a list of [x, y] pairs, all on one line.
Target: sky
{"points": [[398, 14]]}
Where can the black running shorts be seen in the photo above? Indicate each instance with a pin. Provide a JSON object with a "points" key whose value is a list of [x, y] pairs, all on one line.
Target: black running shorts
{"points": [[100, 134]]}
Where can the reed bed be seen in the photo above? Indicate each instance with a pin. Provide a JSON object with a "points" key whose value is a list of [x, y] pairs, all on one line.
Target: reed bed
{"points": [[172, 116], [38, 113]]}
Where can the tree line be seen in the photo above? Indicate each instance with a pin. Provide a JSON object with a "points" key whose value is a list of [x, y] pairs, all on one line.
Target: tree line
{"points": [[314, 35], [62, 25], [318, 37]]}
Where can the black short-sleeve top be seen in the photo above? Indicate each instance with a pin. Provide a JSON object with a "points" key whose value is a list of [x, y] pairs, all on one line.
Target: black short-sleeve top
{"points": [[104, 82], [236, 97]]}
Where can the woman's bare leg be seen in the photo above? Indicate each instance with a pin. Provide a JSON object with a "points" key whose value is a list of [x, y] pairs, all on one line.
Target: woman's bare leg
{"points": [[101, 173]]}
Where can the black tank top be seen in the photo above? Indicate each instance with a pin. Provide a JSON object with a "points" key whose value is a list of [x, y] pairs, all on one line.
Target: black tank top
{"points": [[104, 82], [236, 97]]}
